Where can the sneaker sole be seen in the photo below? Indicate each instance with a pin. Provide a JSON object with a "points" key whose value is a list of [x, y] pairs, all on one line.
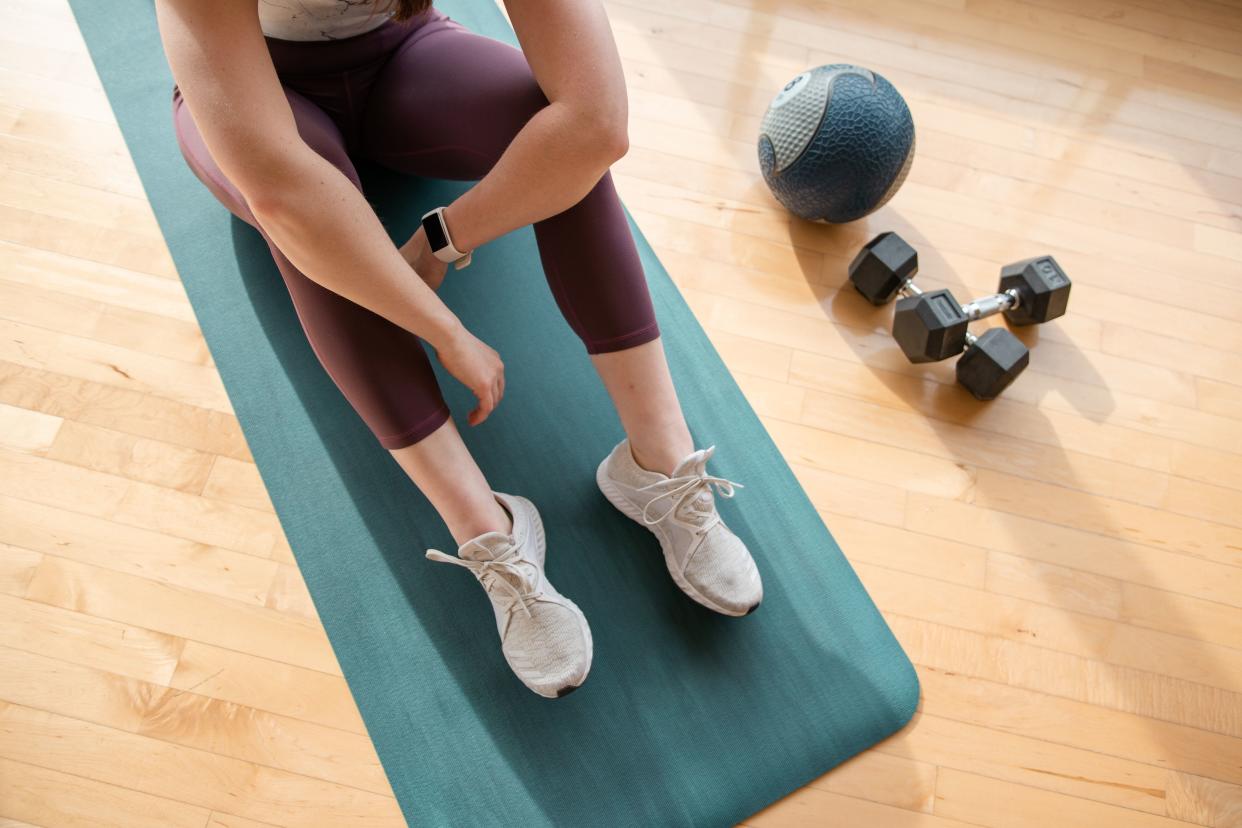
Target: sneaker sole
{"points": [[623, 505], [541, 543]]}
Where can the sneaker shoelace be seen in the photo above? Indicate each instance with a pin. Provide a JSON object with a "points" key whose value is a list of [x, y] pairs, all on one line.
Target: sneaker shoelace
{"points": [[685, 489], [492, 573]]}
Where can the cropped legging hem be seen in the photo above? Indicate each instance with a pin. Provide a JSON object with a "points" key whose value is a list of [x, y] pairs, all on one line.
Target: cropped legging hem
{"points": [[621, 343], [410, 436]]}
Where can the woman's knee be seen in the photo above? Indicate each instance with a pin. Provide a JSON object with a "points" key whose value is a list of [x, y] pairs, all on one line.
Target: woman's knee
{"points": [[494, 94], [203, 165], [524, 101], [314, 127], [319, 133]]}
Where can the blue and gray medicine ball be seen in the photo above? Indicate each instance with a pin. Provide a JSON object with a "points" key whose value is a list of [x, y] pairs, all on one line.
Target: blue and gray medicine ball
{"points": [[836, 143]]}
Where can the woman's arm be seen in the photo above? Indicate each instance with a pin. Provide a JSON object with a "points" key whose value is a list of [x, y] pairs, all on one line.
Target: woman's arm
{"points": [[312, 212], [561, 152]]}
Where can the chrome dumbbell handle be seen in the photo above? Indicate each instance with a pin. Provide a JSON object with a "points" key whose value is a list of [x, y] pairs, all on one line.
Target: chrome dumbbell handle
{"points": [[979, 308], [988, 305]]}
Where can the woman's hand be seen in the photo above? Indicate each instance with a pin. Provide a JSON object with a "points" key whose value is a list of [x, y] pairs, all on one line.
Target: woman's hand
{"points": [[418, 253], [478, 367]]}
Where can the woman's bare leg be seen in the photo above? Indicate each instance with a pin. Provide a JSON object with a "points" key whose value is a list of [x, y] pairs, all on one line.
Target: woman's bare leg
{"points": [[444, 470], [641, 388]]}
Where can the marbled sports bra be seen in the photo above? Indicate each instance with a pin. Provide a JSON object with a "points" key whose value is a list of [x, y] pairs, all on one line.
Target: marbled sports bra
{"points": [[321, 19]]}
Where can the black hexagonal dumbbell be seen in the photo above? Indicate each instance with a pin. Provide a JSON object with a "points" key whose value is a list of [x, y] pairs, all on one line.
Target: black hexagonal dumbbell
{"points": [[883, 267], [991, 362], [932, 326], [929, 326], [1040, 290]]}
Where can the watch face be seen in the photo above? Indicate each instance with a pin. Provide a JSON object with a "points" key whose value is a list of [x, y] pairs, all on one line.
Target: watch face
{"points": [[435, 233]]}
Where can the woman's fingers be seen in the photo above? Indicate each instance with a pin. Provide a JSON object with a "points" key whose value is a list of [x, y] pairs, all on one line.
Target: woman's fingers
{"points": [[479, 368], [487, 401], [490, 398]]}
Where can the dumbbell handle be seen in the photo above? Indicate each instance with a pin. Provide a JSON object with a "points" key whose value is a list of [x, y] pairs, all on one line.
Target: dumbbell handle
{"points": [[989, 305], [979, 308]]}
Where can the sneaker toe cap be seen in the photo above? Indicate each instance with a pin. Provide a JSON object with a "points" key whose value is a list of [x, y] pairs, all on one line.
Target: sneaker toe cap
{"points": [[727, 576], [553, 654]]}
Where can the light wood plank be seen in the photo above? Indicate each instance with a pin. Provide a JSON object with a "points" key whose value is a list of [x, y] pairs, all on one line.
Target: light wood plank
{"points": [[1031, 761], [1125, 688], [1204, 801], [322, 696], [81, 638], [131, 412], [47, 797], [133, 550], [192, 719], [177, 611], [1072, 723], [1003, 803], [146, 764]]}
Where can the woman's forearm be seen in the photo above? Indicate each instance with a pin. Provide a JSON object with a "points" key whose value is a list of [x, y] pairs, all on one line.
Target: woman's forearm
{"points": [[328, 230], [555, 159]]}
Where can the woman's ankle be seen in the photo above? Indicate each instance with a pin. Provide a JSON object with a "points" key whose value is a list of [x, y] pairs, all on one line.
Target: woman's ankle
{"points": [[481, 520], [662, 452]]}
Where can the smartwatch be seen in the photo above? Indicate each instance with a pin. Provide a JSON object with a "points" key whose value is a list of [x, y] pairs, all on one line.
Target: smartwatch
{"points": [[440, 242]]}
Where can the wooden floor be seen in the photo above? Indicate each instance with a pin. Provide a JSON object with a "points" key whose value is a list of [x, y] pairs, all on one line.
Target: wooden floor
{"points": [[1064, 565]]}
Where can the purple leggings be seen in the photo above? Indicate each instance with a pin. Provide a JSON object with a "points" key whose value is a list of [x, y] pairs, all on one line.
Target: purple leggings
{"points": [[429, 97]]}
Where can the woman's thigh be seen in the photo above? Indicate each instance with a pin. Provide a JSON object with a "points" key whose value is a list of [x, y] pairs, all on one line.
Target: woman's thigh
{"points": [[448, 103], [380, 367]]}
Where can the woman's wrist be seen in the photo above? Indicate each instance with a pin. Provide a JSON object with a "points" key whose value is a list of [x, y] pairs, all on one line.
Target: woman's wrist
{"points": [[442, 328], [460, 227]]}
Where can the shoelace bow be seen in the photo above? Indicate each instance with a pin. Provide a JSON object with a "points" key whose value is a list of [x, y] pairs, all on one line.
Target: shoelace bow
{"points": [[489, 574], [687, 487]]}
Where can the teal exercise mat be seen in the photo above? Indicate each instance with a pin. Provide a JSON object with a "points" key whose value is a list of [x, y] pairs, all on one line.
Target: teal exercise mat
{"points": [[688, 717]]}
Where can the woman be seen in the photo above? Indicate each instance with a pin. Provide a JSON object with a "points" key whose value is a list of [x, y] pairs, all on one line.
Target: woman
{"points": [[273, 101]]}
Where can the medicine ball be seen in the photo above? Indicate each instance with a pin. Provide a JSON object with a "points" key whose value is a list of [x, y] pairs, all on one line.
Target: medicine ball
{"points": [[836, 143]]}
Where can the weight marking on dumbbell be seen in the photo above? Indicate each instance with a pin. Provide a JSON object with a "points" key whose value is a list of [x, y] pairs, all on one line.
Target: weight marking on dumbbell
{"points": [[1051, 272]]}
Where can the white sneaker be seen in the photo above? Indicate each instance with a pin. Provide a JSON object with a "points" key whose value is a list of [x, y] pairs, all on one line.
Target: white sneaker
{"points": [[545, 638], [710, 563]]}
